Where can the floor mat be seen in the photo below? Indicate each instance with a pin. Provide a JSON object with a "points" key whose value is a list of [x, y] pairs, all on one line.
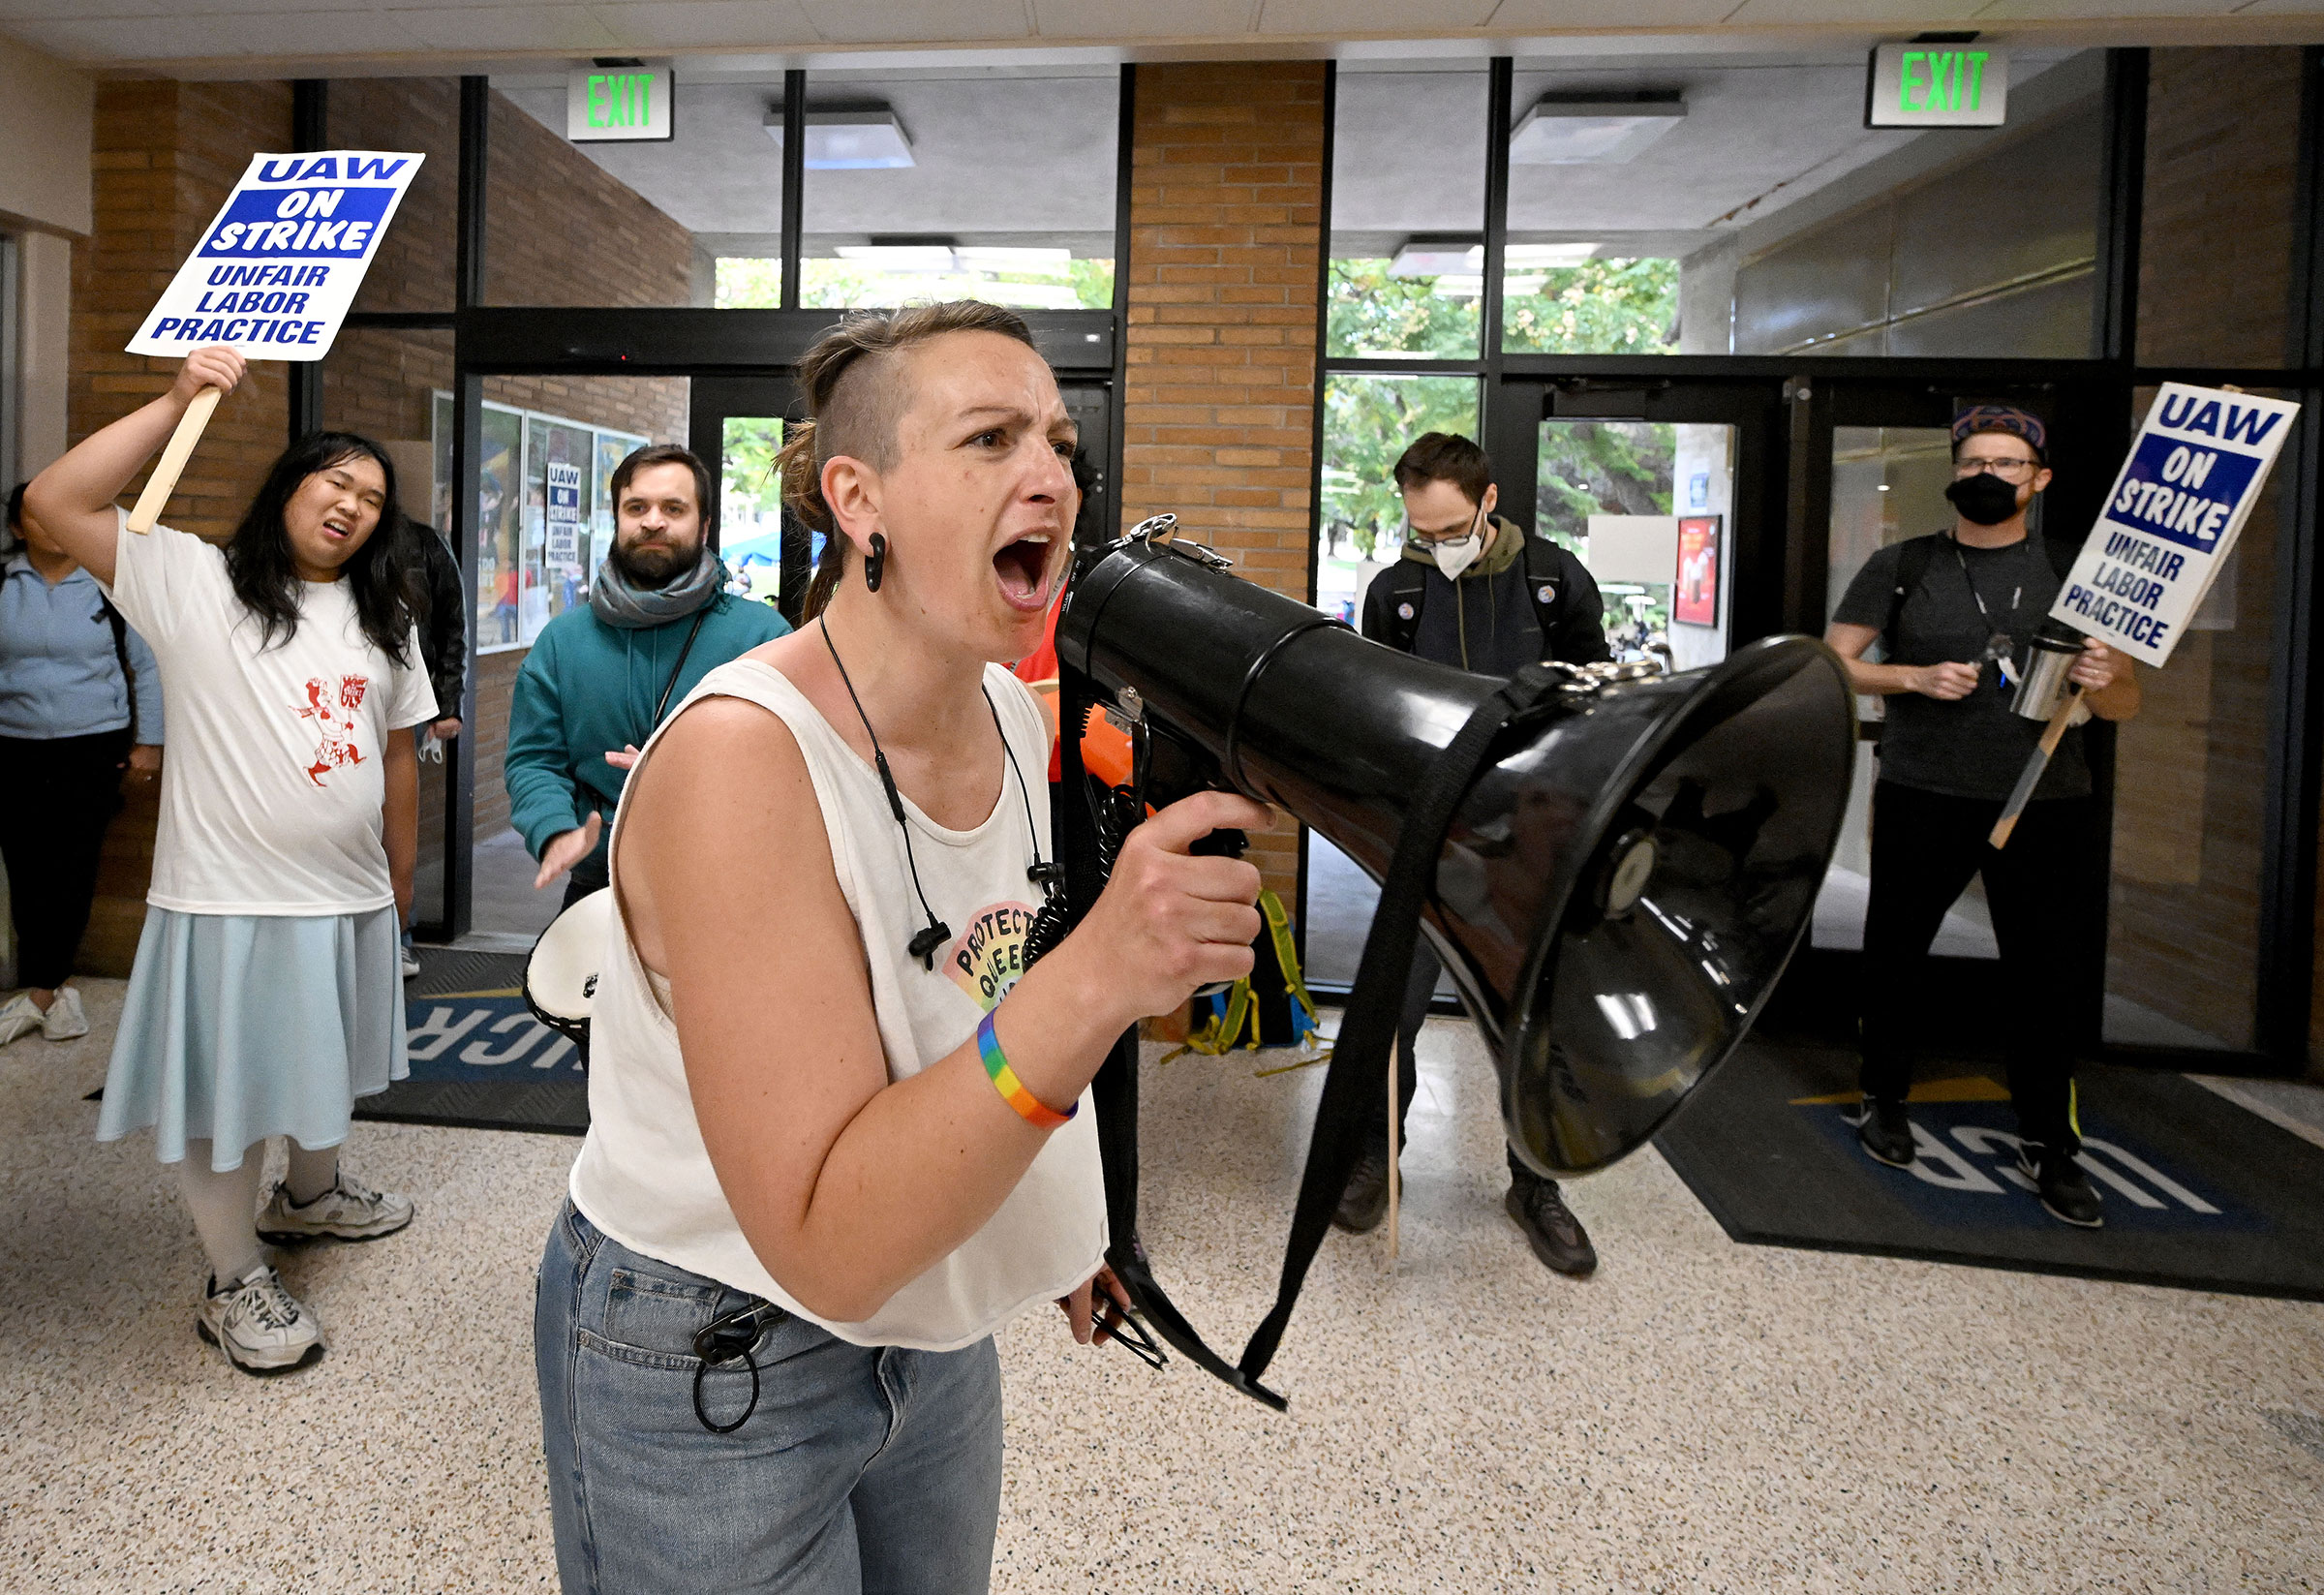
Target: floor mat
{"points": [[2197, 1192], [479, 1059]]}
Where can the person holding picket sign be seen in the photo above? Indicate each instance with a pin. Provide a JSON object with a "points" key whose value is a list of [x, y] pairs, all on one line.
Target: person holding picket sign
{"points": [[1955, 614], [265, 996]]}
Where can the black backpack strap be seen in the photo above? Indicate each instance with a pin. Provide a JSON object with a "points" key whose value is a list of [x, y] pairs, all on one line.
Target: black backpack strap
{"points": [[1407, 589], [1913, 557]]}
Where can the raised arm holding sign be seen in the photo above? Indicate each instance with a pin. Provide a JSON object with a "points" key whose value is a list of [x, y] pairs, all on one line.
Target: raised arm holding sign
{"points": [[274, 275]]}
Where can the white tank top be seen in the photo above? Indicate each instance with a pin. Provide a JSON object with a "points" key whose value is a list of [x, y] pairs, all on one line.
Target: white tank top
{"points": [[643, 1177]]}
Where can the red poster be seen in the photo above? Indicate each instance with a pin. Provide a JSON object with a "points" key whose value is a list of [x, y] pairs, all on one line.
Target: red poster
{"points": [[1695, 598]]}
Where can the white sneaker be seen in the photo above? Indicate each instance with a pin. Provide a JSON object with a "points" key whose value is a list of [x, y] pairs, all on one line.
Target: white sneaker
{"points": [[259, 1326], [20, 1017], [349, 1210], [410, 963], [66, 1020]]}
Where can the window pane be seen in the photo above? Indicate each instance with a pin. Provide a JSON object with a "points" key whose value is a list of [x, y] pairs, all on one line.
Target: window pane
{"points": [[937, 185], [751, 504], [2189, 800], [1368, 423], [632, 225], [1407, 212], [1717, 204], [2223, 134]]}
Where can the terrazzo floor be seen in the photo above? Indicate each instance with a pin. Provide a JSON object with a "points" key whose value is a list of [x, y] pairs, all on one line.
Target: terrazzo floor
{"points": [[1701, 1416]]}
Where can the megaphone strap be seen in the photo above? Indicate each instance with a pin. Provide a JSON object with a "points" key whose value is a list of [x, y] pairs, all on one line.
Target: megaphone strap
{"points": [[1367, 1027]]}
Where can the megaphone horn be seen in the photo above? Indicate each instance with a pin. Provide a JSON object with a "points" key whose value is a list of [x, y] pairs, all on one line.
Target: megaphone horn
{"points": [[1614, 868]]}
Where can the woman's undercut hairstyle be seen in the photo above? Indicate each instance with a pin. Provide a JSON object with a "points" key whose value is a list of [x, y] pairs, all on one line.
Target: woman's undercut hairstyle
{"points": [[1446, 457], [706, 503], [854, 403], [379, 576]]}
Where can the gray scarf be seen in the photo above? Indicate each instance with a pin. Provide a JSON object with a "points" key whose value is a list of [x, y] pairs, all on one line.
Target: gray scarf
{"points": [[620, 603]]}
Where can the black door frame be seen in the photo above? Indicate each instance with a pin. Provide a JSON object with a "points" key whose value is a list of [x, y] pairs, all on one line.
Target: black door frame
{"points": [[1781, 553]]}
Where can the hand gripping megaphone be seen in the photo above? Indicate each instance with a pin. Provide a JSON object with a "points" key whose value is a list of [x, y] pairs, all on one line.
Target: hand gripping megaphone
{"points": [[1614, 867]]}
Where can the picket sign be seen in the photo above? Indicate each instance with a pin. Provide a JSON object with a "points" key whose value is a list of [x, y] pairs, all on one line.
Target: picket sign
{"points": [[2195, 470], [2197, 466], [273, 276]]}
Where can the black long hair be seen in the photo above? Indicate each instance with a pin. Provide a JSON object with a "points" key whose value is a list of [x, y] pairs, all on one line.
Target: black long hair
{"points": [[379, 575]]}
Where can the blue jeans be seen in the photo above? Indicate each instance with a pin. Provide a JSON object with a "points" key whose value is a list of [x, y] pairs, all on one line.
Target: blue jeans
{"points": [[861, 1469]]}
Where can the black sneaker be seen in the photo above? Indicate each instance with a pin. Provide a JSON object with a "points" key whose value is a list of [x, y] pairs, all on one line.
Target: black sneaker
{"points": [[2065, 1189], [1550, 1228], [1365, 1203], [1883, 1131]]}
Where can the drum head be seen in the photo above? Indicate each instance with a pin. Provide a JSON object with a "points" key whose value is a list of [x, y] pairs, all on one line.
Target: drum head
{"points": [[562, 975]]}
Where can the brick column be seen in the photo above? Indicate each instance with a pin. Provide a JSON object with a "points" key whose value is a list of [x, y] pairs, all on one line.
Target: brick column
{"points": [[1226, 220]]}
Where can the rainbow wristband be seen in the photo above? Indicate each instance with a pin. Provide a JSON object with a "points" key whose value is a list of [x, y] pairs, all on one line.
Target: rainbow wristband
{"points": [[1029, 1108]]}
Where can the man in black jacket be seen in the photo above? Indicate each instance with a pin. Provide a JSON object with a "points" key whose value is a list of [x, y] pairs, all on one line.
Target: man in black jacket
{"points": [[442, 644], [1473, 589]]}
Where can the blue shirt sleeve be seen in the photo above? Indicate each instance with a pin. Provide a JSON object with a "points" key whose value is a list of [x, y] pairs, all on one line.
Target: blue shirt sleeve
{"points": [[148, 672]]}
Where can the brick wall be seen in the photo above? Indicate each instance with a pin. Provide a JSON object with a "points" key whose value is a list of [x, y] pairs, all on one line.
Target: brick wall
{"points": [[1226, 218], [166, 155], [562, 231]]}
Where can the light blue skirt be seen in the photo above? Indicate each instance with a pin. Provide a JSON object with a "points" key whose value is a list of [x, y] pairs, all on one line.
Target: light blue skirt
{"points": [[238, 1027]]}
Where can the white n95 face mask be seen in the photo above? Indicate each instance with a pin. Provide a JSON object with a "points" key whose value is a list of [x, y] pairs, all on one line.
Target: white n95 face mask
{"points": [[1452, 557]]}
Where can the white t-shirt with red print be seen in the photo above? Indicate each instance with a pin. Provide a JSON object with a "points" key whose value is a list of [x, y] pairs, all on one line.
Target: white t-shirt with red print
{"points": [[274, 782]]}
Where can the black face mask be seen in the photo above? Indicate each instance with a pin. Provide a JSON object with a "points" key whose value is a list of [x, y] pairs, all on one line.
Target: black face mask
{"points": [[1983, 498]]}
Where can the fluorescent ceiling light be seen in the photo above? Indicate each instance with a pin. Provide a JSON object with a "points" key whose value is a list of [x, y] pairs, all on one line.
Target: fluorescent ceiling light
{"points": [[1005, 257], [849, 138], [1422, 256], [1538, 256], [1570, 130], [899, 257]]}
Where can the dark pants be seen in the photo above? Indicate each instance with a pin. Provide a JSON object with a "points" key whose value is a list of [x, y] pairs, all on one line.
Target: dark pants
{"points": [[1418, 990], [56, 799], [1925, 847]]}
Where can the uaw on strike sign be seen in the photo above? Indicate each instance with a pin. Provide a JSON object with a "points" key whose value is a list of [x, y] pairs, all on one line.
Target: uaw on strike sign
{"points": [[2194, 472], [278, 268]]}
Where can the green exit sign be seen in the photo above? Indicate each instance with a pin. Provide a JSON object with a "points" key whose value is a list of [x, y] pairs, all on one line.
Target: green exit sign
{"points": [[1937, 83], [617, 102]]}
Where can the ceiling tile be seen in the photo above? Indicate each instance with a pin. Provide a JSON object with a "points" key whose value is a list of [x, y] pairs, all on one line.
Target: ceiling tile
{"points": [[508, 27], [1867, 16], [1142, 18], [311, 33], [140, 39], [708, 25], [67, 11], [918, 22], [2078, 10], [1570, 15], [1331, 17]]}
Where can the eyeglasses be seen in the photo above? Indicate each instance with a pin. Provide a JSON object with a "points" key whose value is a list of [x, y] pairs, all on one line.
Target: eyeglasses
{"points": [[2009, 470]]}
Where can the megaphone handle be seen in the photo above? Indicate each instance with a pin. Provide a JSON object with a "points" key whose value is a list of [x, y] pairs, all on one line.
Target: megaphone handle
{"points": [[1223, 844], [172, 463]]}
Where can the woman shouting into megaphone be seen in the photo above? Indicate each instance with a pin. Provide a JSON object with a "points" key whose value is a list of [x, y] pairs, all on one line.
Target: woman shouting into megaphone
{"points": [[838, 1131]]}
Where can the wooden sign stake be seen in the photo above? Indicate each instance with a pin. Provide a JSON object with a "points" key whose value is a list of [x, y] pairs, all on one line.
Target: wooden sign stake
{"points": [[2060, 719], [172, 463]]}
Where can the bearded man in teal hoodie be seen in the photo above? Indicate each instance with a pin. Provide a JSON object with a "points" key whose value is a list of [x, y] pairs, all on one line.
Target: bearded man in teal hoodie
{"points": [[601, 677]]}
